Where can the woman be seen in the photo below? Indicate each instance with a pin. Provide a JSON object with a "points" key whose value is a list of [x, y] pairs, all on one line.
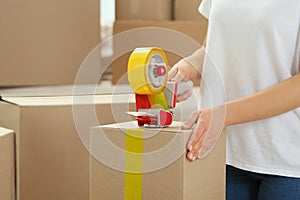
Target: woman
{"points": [[250, 85]]}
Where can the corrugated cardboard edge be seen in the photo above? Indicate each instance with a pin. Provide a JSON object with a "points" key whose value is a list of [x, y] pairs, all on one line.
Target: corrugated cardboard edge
{"points": [[7, 164], [105, 88], [12, 114]]}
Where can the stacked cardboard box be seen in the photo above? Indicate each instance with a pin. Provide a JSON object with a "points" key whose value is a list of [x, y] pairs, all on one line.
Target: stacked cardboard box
{"points": [[154, 167], [7, 164], [191, 29], [191, 24], [144, 9], [187, 10], [51, 159], [45, 42]]}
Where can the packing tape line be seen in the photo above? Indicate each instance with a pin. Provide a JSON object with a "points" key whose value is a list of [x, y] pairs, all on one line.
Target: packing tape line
{"points": [[134, 164]]}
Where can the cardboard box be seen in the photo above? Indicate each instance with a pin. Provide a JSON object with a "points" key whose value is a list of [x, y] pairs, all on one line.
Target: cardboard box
{"points": [[7, 164], [158, 164], [194, 32], [187, 10], [104, 88], [45, 42], [52, 162], [144, 9]]}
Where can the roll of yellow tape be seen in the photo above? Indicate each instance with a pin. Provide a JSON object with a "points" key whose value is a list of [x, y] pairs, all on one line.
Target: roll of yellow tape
{"points": [[147, 70]]}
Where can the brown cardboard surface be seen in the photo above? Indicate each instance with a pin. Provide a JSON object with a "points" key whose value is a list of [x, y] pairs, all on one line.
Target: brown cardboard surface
{"points": [[187, 10], [52, 162], [44, 42], [144, 9], [105, 88], [7, 164], [181, 180], [193, 29]]}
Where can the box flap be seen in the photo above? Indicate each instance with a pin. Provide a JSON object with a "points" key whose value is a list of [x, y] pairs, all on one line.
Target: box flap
{"points": [[174, 128], [4, 131], [7, 168], [64, 90]]}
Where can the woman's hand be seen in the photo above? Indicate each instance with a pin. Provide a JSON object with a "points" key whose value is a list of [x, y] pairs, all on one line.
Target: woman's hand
{"points": [[187, 69], [183, 71], [209, 125], [210, 122]]}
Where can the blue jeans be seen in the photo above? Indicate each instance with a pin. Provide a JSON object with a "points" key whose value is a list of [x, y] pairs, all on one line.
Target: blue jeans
{"points": [[244, 185]]}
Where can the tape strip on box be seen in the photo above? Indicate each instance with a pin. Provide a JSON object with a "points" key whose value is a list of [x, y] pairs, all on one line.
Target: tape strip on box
{"points": [[134, 164]]}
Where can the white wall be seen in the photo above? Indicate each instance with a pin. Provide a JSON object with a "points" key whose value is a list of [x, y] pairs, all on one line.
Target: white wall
{"points": [[107, 10]]}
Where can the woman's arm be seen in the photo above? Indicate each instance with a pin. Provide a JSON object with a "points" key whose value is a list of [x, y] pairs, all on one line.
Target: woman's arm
{"points": [[189, 68], [210, 122], [270, 102]]}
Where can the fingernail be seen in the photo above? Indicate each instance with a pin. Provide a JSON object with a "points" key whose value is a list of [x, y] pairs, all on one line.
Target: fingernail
{"points": [[190, 148], [199, 157], [194, 158], [191, 156]]}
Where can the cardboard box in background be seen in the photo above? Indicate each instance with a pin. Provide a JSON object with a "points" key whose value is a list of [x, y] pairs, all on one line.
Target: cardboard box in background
{"points": [[44, 42], [194, 29], [144, 9], [187, 10], [181, 180], [52, 162], [104, 88], [7, 164]]}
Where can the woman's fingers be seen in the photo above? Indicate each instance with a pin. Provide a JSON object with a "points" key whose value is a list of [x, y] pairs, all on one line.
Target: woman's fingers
{"points": [[200, 133], [207, 132], [179, 77], [193, 118], [190, 156], [198, 144], [172, 73], [184, 96], [197, 132], [180, 71], [195, 142]]}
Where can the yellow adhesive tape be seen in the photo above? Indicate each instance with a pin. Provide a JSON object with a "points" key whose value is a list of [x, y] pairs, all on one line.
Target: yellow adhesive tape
{"points": [[134, 164], [158, 101], [137, 70]]}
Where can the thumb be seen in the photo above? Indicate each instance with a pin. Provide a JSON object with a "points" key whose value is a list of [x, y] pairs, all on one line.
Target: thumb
{"points": [[172, 73], [179, 77]]}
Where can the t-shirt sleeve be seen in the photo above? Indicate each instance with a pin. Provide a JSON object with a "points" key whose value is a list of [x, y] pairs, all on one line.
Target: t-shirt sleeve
{"points": [[204, 8]]}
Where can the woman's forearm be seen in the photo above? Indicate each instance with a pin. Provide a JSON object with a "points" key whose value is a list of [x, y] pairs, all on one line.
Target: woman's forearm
{"points": [[197, 58], [278, 99]]}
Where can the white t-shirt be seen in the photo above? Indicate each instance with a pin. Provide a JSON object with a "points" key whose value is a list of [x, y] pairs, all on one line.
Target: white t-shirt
{"points": [[252, 45]]}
